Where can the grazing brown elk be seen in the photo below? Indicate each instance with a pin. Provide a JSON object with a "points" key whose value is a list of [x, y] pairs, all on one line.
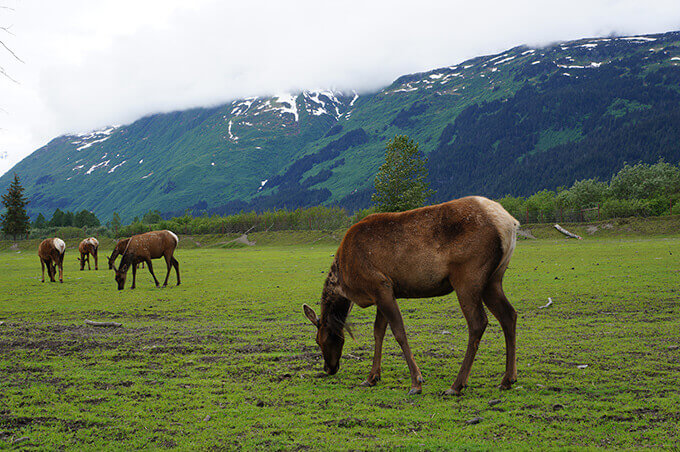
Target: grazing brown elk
{"points": [[143, 248], [119, 249], [463, 245], [89, 246], [51, 253]]}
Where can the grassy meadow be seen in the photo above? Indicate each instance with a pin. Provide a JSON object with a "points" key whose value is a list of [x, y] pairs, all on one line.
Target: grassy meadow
{"points": [[227, 360]]}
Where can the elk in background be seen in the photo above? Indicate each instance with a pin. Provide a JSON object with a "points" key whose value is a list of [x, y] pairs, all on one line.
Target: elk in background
{"points": [[143, 248], [51, 253], [88, 246], [119, 249]]}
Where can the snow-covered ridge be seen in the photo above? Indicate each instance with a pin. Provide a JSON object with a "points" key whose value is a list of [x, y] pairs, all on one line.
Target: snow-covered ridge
{"points": [[88, 139]]}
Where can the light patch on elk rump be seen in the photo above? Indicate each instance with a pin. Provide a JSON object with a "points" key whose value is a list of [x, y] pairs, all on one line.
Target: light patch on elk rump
{"points": [[93, 241], [59, 245], [174, 235], [505, 224]]}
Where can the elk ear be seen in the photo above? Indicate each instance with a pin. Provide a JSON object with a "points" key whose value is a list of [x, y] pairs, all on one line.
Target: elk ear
{"points": [[311, 315]]}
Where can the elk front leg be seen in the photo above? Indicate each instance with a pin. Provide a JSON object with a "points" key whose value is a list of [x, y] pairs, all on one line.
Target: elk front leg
{"points": [[134, 276], [379, 328], [42, 264], [388, 307]]}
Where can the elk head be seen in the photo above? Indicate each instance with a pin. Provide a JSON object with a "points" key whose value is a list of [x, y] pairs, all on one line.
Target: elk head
{"points": [[330, 338], [121, 274]]}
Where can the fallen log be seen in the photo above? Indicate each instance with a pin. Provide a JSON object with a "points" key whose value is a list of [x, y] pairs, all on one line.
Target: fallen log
{"points": [[567, 233], [103, 324]]}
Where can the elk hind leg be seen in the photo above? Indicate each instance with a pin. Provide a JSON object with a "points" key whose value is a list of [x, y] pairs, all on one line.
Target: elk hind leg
{"points": [[168, 266], [500, 307], [470, 299], [150, 265], [61, 268], [176, 265], [42, 265]]}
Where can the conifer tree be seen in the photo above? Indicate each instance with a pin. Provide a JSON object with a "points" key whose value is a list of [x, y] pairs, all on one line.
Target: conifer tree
{"points": [[15, 220], [401, 183]]}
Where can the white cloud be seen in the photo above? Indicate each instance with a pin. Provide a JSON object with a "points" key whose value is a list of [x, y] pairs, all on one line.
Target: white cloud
{"points": [[89, 64]]}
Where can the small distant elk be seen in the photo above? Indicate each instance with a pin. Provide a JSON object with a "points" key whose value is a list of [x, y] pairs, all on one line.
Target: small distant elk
{"points": [[463, 245], [89, 246], [51, 254], [143, 248]]}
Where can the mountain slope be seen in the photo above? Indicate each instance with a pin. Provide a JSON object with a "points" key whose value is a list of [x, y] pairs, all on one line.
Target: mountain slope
{"points": [[515, 122]]}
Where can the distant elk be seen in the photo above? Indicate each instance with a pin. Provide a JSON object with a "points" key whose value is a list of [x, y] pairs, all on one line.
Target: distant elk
{"points": [[51, 254], [143, 248], [463, 245], [89, 246]]}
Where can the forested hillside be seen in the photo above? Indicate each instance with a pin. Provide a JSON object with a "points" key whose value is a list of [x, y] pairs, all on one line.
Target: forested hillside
{"points": [[512, 123]]}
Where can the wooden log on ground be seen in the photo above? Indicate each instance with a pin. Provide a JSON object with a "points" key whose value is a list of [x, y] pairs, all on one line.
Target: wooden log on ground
{"points": [[103, 324], [567, 233]]}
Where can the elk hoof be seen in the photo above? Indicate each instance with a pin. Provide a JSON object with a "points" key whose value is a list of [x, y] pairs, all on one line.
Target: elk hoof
{"points": [[370, 381], [453, 392], [415, 391], [506, 383]]}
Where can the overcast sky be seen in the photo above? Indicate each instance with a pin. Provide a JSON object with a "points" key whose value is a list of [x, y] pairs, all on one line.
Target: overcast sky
{"points": [[92, 63]]}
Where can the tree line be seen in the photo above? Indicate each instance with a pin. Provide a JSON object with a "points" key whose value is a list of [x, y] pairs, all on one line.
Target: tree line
{"points": [[640, 190], [636, 190]]}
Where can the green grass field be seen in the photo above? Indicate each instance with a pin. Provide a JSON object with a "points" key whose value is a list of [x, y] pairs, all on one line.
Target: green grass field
{"points": [[227, 359]]}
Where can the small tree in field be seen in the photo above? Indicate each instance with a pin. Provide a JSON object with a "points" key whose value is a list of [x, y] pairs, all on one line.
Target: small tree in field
{"points": [[401, 183], [15, 220]]}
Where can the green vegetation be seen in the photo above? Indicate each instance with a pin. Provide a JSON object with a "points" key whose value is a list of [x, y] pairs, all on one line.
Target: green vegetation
{"points": [[640, 190], [511, 123], [15, 220], [401, 183], [637, 190], [227, 360]]}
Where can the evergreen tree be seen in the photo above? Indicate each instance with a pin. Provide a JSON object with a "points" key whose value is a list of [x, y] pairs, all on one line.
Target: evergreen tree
{"points": [[57, 219], [15, 220], [40, 222], [152, 217], [401, 183], [69, 218], [85, 218], [115, 223]]}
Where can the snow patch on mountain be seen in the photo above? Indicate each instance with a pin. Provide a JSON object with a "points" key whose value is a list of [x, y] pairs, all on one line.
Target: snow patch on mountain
{"points": [[232, 137], [88, 139], [98, 165], [288, 104], [117, 166]]}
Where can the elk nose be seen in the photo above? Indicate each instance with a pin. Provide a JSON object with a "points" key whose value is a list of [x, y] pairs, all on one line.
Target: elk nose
{"points": [[331, 370]]}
